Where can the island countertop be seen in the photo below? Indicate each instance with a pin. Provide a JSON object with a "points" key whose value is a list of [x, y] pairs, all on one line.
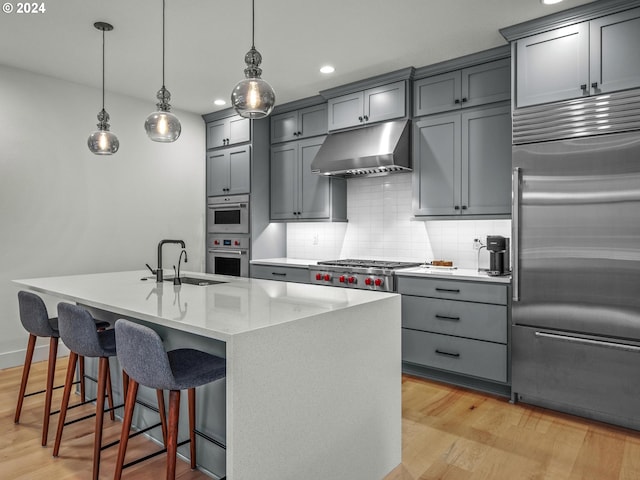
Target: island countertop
{"points": [[236, 306]]}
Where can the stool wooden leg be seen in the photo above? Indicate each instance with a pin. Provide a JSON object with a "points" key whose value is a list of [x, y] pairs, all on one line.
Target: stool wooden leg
{"points": [[83, 395], [51, 373], [31, 345], [112, 414], [103, 370], [163, 415], [68, 383], [172, 433], [129, 404], [192, 426]]}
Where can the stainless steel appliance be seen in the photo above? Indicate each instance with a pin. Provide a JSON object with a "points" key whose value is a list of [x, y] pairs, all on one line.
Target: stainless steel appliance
{"points": [[499, 264], [576, 266], [355, 273], [228, 214], [228, 254]]}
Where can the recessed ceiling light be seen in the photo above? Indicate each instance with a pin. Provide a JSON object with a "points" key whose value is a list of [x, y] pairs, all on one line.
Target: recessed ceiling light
{"points": [[549, 2], [219, 102], [327, 69]]}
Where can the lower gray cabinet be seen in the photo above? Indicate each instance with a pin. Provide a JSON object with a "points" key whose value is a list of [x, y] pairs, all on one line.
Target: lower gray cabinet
{"points": [[462, 163], [280, 273], [455, 326]]}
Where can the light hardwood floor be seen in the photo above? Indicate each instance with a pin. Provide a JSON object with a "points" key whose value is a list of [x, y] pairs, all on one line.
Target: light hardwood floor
{"points": [[448, 433]]}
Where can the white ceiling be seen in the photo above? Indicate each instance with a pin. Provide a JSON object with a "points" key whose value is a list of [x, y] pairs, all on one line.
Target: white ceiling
{"points": [[206, 41]]}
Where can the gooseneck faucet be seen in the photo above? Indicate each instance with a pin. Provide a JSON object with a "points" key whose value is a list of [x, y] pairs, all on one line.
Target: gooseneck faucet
{"points": [[159, 278]]}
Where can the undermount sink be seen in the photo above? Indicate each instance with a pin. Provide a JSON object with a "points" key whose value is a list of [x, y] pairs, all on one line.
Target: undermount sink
{"points": [[202, 282]]}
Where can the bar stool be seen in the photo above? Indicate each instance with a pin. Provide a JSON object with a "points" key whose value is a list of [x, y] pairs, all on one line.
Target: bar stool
{"points": [[76, 327], [142, 355], [36, 321]]}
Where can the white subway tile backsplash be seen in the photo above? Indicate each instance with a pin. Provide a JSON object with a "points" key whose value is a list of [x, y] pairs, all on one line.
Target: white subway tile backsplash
{"points": [[381, 226]]}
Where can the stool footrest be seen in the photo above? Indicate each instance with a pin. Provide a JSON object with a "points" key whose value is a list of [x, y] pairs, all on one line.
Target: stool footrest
{"points": [[151, 455], [210, 439], [134, 434]]}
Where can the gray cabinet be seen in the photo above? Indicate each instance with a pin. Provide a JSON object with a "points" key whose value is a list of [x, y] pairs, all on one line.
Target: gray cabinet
{"points": [[281, 273], [298, 194], [462, 163], [455, 326], [468, 87], [372, 105], [587, 58], [228, 131], [229, 171], [299, 124]]}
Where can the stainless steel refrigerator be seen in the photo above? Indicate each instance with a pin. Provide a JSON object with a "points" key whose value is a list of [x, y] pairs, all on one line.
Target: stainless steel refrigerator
{"points": [[576, 272]]}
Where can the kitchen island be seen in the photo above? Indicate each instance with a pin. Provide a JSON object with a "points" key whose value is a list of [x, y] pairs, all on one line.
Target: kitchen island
{"points": [[313, 386]]}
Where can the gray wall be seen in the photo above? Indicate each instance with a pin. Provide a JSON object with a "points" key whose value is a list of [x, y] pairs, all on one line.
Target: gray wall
{"points": [[65, 211]]}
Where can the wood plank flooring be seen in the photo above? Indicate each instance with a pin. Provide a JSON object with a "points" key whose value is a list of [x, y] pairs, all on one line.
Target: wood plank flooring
{"points": [[448, 433]]}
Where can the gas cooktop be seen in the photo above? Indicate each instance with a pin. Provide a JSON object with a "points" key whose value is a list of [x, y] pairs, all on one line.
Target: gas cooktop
{"points": [[353, 262]]}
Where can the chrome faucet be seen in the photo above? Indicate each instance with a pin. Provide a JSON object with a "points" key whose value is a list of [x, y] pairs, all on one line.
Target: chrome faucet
{"points": [[158, 272]]}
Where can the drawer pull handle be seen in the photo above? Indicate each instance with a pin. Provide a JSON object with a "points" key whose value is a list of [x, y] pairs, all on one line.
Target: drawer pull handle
{"points": [[448, 354], [448, 290], [446, 317], [279, 274]]}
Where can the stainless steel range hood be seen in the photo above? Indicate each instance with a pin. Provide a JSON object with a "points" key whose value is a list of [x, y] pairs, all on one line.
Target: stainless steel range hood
{"points": [[376, 150]]}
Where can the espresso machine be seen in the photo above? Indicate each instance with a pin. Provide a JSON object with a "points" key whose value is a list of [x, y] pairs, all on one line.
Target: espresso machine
{"points": [[499, 263]]}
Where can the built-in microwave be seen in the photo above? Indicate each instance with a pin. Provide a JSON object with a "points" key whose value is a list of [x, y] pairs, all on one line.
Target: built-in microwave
{"points": [[229, 214]]}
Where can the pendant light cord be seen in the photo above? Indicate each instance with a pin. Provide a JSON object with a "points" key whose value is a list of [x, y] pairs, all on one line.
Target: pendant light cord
{"points": [[103, 69], [163, 7]]}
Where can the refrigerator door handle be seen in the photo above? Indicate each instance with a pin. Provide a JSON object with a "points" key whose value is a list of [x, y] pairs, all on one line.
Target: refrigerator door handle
{"points": [[515, 235], [588, 341]]}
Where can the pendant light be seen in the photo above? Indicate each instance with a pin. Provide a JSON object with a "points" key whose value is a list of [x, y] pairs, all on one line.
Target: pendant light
{"points": [[253, 97], [163, 126], [103, 142]]}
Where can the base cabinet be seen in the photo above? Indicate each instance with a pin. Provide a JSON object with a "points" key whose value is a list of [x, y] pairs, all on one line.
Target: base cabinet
{"points": [[456, 327]]}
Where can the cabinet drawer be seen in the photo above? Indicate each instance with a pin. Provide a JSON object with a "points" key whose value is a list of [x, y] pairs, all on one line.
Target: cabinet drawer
{"points": [[453, 290], [468, 357], [283, 274], [479, 321]]}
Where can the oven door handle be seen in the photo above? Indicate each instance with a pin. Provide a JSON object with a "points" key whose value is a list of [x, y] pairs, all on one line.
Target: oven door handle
{"points": [[233, 252], [228, 206]]}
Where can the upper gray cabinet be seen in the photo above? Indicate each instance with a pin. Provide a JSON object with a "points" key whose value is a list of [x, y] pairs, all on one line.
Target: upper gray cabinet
{"points": [[468, 87], [228, 131], [229, 171], [298, 124], [372, 105], [587, 58], [462, 163], [298, 194]]}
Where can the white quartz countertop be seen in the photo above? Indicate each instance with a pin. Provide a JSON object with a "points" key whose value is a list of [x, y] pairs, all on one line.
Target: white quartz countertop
{"points": [[285, 262], [220, 311], [454, 274]]}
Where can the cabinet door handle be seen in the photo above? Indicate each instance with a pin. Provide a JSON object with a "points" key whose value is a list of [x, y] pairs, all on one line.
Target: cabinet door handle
{"points": [[583, 86], [464, 100], [360, 118], [456, 101], [457, 207], [447, 317], [594, 85], [448, 290], [448, 354], [464, 207], [299, 133], [366, 117]]}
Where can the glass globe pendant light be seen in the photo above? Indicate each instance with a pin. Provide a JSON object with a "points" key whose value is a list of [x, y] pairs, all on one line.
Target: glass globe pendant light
{"points": [[163, 126], [253, 97], [102, 141]]}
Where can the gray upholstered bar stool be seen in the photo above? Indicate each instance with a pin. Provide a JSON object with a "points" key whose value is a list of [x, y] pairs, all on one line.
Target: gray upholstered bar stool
{"points": [[35, 320], [142, 356], [80, 336]]}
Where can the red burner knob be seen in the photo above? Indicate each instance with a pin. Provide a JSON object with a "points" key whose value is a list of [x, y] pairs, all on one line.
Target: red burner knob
{"points": [[368, 281], [318, 276], [341, 278], [378, 282], [327, 277], [352, 280]]}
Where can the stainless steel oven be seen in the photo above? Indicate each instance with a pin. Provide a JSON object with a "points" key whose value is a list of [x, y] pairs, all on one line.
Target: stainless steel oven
{"points": [[228, 255], [228, 214]]}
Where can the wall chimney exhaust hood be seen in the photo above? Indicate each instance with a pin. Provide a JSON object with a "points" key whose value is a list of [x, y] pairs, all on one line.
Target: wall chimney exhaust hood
{"points": [[376, 150]]}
